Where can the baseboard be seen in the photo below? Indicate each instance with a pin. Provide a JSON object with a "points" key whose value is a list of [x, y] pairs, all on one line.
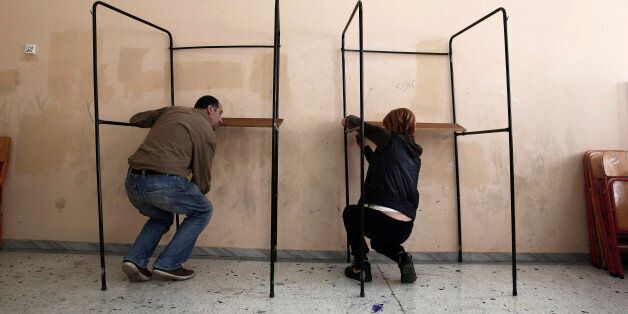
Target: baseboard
{"points": [[292, 255]]}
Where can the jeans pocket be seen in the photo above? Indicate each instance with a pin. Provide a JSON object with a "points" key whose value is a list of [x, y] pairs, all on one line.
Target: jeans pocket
{"points": [[183, 184], [134, 197], [156, 192], [158, 198]]}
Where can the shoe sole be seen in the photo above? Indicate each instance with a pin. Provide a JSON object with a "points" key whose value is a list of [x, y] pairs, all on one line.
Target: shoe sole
{"points": [[408, 275], [133, 272], [167, 275]]}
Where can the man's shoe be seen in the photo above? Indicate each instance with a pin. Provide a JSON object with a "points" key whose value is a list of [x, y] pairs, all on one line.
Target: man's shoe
{"points": [[353, 271], [407, 268], [135, 273], [175, 274]]}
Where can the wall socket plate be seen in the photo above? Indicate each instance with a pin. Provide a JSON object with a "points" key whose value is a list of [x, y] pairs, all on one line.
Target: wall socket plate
{"points": [[30, 49]]}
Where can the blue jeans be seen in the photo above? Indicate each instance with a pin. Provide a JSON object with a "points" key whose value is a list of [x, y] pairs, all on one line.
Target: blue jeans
{"points": [[159, 197]]}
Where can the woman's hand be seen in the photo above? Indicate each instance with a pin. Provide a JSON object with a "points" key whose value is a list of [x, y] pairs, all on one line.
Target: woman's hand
{"points": [[351, 123], [358, 140]]}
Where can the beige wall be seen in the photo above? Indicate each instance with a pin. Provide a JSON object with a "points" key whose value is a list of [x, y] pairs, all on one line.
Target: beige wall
{"points": [[569, 87]]}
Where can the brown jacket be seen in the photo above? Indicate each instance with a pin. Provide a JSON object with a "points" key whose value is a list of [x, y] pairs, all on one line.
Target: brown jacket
{"points": [[181, 140]]}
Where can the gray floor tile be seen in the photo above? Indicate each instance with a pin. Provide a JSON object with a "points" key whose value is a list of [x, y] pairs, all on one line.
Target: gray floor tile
{"points": [[52, 282]]}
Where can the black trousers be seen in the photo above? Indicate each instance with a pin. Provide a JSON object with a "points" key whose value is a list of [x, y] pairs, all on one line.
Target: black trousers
{"points": [[386, 233]]}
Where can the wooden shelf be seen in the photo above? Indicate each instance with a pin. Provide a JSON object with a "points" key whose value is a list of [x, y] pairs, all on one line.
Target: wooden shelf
{"points": [[431, 126], [250, 122]]}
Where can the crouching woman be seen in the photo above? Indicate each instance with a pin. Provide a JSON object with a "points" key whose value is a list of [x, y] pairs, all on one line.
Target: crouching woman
{"points": [[391, 197]]}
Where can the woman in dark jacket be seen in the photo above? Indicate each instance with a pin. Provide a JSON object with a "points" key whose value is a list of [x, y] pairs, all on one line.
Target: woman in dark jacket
{"points": [[391, 197]]}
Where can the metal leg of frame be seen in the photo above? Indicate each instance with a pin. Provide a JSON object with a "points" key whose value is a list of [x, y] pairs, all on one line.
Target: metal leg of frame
{"points": [[357, 8], [346, 153], [362, 257], [456, 159], [275, 152], [101, 237], [512, 165]]}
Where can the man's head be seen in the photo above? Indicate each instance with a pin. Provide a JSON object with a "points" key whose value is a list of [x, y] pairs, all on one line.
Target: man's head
{"points": [[213, 107], [400, 121]]}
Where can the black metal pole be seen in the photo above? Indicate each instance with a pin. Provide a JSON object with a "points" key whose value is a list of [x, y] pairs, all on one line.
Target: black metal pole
{"points": [[425, 53], [344, 115], [101, 237], [355, 9], [171, 71], [116, 123], [132, 16], [358, 7], [363, 255], [477, 22], [456, 159], [170, 49], [222, 47], [512, 165], [275, 153]]}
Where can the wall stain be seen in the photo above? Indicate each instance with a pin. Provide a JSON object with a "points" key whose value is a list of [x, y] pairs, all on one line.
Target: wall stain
{"points": [[7, 111], [431, 96], [261, 81], [474, 165], [81, 177], [61, 115], [106, 92], [285, 90], [69, 69], [248, 200], [240, 174], [205, 75], [11, 108], [497, 156], [432, 45], [136, 81], [29, 58], [9, 81], [60, 204]]}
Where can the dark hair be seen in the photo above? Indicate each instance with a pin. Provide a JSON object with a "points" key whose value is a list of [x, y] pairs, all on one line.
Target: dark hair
{"points": [[400, 121], [206, 101]]}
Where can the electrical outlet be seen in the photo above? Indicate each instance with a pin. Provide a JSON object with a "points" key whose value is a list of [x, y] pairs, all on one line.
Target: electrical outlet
{"points": [[30, 49]]}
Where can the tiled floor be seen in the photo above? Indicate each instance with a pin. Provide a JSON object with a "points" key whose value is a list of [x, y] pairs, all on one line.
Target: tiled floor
{"points": [[47, 282]]}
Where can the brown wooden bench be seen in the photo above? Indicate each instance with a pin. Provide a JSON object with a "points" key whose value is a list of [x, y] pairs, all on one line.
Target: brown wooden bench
{"points": [[5, 146]]}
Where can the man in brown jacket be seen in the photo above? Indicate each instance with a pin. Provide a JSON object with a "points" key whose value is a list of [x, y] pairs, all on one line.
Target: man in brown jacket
{"points": [[181, 141]]}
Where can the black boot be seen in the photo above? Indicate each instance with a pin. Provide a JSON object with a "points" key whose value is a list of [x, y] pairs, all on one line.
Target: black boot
{"points": [[353, 271], [406, 267]]}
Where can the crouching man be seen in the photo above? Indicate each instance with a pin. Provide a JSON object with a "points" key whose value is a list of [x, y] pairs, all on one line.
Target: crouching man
{"points": [[181, 141]]}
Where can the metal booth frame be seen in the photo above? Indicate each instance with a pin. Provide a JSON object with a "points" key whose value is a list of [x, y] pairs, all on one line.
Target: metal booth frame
{"points": [[275, 124], [361, 51]]}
